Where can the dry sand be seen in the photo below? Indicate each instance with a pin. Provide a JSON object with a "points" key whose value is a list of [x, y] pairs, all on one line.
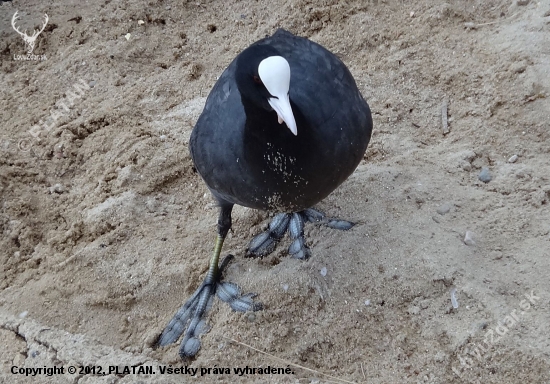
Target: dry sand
{"points": [[106, 228]]}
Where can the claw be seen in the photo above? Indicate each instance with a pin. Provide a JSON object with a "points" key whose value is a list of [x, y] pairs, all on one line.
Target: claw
{"points": [[190, 347], [296, 245], [302, 254], [245, 304]]}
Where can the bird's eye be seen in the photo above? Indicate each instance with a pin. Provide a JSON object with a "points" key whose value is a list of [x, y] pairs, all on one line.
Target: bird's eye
{"points": [[257, 79]]}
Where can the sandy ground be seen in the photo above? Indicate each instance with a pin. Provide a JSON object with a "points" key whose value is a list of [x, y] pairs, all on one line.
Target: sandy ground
{"points": [[106, 228]]}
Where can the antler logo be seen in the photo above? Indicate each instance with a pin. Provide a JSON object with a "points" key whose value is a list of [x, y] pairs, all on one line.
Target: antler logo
{"points": [[29, 40]]}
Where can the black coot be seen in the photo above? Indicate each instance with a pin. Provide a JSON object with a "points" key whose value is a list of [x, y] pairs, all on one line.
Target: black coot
{"points": [[283, 127]]}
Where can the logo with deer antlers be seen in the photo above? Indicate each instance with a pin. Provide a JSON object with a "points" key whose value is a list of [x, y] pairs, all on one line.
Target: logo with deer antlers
{"points": [[29, 40]]}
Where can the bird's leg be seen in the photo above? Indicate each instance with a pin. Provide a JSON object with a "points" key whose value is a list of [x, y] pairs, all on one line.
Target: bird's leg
{"points": [[264, 243], [194, 310]]}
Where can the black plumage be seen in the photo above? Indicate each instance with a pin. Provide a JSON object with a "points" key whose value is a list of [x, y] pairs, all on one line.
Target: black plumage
{"points": [[247, 158]]}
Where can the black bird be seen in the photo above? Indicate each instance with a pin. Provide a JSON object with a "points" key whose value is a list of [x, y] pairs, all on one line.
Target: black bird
{"points": [[247, 157]]}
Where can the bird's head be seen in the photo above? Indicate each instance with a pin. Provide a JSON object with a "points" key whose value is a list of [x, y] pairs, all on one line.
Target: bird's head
{"points": [[263, 78]]}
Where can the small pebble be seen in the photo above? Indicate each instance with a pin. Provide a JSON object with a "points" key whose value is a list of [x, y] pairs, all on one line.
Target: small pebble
{"points": [[323, 271], [469, 238], [414, 310], [444, 209], [92, 83], [152, 204], [483, 325], [285, 287], [466, 167], [57, 188], [513, 159], [454, 301], [367, 302], [341, 225], [518, 67], [485, 175], [23, 314], [440, 357]]}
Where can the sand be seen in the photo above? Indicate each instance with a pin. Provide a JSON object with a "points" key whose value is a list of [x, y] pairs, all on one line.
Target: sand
{"points": [[107, 229]]}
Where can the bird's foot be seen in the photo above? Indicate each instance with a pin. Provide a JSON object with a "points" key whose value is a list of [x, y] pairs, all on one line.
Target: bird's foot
{"points": [[195, 309], [265, 243]]}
